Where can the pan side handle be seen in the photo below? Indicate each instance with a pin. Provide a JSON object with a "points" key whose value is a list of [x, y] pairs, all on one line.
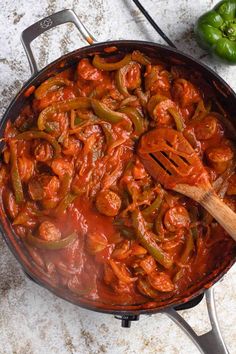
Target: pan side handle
{"points": [[35, 30], [210, 342]]}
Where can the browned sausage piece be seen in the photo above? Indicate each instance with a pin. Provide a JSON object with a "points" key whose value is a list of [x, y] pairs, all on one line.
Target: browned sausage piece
{"points": [[49, 232], [43, 187], [43, 151], [10, 203], [61, 166], [219, 157], [161, 281], [133, 76], [185, 93], [207, 128], [176, 218], [108, 203], [157, 80]]}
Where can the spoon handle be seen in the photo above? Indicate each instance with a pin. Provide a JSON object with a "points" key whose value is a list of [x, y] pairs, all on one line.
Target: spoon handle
{"points": [[221, 212]]}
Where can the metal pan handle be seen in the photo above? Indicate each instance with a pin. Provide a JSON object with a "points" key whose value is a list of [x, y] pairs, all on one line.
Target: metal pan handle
{"points": [[35, 30], [210, 342]]}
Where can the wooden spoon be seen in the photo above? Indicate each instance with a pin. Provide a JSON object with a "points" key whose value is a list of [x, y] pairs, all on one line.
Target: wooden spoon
{"points": [[171, 160]]}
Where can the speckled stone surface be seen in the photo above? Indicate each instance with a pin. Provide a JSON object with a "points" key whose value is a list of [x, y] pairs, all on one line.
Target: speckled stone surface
{"points": [[32, 320]]}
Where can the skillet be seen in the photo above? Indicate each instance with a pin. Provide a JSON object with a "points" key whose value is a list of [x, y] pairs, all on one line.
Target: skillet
{"points": [[207, 343]]}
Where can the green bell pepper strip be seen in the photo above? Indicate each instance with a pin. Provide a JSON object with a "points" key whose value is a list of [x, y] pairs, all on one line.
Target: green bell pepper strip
{"points": [[127, 233], [78, 120], [189, 247], [47, 85], [177, 118], [60, 107], [51, 127], [216, 31], [51, 245], [139, 122], [147, 241], [146, 289], [65, 185], [143, 97], [105, 113], [153, 102], [109, 134], [193, 217], [158, 222], [155, 206], [120, 79], [15, 176], [191, 237], [140, 58], [201, 111], [179, 275], [64, 203], [101, 64], [34, 134], [128, 101]]}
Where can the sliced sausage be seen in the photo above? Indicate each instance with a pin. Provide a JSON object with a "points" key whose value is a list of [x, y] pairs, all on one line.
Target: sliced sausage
{"points": [[133, 76], [176, 218], [219, 157], [108, 203], [43, 151], [60, 167], [185, 93], [157, 80], [88, 72], [206, 128], [10, 203], [49, 232], [43, 187], [161, 281]]}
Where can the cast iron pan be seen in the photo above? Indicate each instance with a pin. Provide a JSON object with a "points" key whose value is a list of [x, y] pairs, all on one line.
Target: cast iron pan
{"points": [[210, 342]]}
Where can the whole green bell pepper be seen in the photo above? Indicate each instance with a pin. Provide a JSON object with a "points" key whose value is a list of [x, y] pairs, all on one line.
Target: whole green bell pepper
{"points": [[216, 31]]}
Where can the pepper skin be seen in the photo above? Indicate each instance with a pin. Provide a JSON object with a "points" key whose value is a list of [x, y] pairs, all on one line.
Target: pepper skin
{"points": [[216, 31]]}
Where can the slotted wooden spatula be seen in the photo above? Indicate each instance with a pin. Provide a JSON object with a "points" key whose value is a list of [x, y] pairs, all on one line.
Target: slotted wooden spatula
{"points": [[171, 160]]}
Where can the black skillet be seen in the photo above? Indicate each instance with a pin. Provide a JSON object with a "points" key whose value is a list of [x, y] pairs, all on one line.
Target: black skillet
{"points": [[212, 341]]}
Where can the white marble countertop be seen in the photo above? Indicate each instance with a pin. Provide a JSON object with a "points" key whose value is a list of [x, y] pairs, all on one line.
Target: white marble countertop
{"points": [[32, 320]]}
